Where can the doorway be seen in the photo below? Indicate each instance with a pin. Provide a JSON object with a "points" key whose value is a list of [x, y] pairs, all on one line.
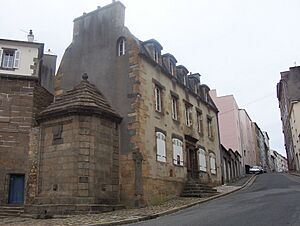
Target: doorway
{"points": [[193, 171], [16, 189]]}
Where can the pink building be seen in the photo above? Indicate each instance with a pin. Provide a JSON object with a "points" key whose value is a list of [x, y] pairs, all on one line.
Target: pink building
{"points": [[229, 123]]}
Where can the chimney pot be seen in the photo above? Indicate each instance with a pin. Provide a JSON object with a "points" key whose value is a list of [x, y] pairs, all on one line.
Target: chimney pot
{"points": [[30, 36]]}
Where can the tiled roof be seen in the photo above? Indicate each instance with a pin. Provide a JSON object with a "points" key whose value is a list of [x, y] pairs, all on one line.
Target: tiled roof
{"points": [[85, 99]]}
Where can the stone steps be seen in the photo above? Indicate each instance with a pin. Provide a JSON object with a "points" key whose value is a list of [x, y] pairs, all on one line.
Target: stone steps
{"points": [[189, 187], [196, 189], [11, 211]]}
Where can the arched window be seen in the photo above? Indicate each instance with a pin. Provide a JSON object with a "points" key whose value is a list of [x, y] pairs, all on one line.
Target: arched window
{"points": [[161, 147], [177, 152], [121, 46], [202, 160], [212, 162]]}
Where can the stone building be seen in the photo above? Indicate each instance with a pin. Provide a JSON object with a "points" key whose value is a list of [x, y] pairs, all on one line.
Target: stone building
{"points": [[294, 118], [77, 156], [280, 162], [288, 93], [22, 70], [169, 132]]}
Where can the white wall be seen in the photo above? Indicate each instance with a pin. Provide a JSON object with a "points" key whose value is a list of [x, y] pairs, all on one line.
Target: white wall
{"points": [[27, 54]]}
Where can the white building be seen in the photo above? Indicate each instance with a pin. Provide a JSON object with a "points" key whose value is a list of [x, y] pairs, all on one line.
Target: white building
{"points": [[27, 58]]}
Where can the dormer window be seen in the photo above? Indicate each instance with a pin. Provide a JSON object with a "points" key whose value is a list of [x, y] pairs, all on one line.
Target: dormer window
{"points": [[171, 67], [156, 55], [121, 46], [9, 58]]}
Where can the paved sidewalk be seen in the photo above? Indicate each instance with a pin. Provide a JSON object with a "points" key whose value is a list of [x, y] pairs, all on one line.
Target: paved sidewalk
{"points": [[128, 215]]}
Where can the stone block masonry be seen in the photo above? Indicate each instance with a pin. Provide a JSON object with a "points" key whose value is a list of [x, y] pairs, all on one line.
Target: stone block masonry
{"points": [[21, 98]]}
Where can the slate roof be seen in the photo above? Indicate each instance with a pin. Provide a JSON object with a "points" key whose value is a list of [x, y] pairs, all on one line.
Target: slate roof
{"points": [[84, 99]]}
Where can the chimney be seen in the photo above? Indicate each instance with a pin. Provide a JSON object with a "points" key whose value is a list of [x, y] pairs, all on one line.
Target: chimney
{"points": [[30, 36]]}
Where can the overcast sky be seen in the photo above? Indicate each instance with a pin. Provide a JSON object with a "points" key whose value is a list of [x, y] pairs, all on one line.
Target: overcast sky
{"points": [[238, 46]]}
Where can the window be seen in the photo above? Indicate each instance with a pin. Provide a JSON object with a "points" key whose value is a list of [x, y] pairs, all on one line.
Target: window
{"points": [[188, 116], [177, 152], [200, 122], [205, 96], [157, 92], [9, 58], [57, 134], [171, 67], [121, 46], [209, 128], [184, 80], [161, 147], [174, 108], [212, 161], [202, 160], [156, 55]]}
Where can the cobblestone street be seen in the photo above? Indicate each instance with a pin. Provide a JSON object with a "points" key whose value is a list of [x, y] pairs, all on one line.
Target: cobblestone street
{"points": [[121, 215]]}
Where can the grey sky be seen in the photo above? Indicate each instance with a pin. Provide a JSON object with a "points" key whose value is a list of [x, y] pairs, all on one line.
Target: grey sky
{"points": [[238, 46]]}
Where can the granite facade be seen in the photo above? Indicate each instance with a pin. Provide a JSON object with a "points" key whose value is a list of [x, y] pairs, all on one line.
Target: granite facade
{"points": [[21, 99]]}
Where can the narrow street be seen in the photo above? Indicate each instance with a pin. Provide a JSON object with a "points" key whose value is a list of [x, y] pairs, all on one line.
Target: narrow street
{"points": [[273, 199]]}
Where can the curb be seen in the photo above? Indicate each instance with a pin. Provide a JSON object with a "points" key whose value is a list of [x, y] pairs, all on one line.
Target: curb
{"points": [[249, 182], [294, 174]]}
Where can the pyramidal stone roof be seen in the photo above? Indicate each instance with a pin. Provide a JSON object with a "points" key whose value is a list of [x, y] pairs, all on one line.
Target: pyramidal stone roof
{"points": [[83, 99]]}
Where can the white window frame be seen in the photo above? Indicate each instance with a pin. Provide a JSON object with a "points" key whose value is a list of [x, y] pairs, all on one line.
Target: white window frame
{"points": [[200, 121], [156, 55], [158, 102], [174, 108], [121, 47], [188, 115], [212, 163], [209, 128], [161, 147], [10, 62], [171, 65], [202, 160], [177, 151], [1, 52]]}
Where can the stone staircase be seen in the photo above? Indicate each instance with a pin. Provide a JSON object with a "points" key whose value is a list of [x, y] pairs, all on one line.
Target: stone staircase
{"points": [[194, 188], [11, 211]]}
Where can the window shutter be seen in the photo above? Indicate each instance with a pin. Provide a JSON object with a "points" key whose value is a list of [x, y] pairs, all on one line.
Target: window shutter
{"points": [[177, 150], [174, 151], [17, 59], [212, 163], [181, 155], [190, 116], [161, 147], [202, 160], [1, 52]]}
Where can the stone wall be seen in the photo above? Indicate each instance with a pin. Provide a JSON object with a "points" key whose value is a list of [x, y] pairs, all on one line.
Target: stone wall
{"points": [[80, 166], [21, 98]]}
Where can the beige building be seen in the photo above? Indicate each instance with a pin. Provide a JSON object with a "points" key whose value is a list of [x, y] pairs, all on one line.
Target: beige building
{"points": [[169, 132], [294, 117]]}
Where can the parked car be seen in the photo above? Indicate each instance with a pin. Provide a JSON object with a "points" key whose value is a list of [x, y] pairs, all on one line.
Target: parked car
{"points": [[256, 169]]}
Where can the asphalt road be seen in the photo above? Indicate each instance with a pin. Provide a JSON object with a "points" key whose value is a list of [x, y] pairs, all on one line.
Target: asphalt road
{"points": [[272, 200]]}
